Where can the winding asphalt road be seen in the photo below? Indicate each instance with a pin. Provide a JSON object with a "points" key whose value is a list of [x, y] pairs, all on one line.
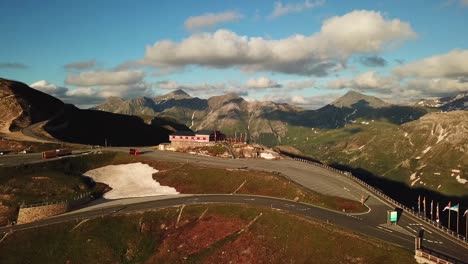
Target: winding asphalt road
{"points": [[315, 178]]}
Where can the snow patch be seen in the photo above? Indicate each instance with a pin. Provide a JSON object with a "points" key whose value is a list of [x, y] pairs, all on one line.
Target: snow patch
{"points": [[267, 156], [415, 181], [361, 147], [440, 185], [457, 171], [129, 180], [461, 180], [412, 176], [418, 157], [426, 150], [406, 134], [441, 135]]}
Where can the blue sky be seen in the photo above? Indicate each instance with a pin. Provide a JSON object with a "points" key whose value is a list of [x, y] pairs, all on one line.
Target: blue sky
{"points": [[301, 52]]}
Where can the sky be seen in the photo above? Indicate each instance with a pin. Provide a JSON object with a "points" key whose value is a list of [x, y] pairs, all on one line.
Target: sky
{"points": [[302, 52]]}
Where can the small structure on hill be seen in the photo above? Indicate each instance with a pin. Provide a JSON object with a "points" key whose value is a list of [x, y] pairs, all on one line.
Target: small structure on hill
{"points": [[201, 136]]}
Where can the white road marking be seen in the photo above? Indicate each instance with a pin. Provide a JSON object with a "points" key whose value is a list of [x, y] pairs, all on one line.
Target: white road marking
{"points": [[355, 217], [249, 199], [426, 230], [384, 229], [415, 224], [412, 229]]}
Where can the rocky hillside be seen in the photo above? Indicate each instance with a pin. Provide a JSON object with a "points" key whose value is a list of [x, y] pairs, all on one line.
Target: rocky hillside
{"points": [[451, 103], [431, 152], [233, 115], [22, 106]]}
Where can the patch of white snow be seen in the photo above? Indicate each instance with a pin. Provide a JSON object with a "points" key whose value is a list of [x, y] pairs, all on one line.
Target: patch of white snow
{"points": [[426, 150], [129, 180], [461, 180], [415, 181]]}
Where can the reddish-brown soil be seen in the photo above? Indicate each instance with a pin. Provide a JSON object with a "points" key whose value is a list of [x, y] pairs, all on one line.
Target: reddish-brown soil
{"points": [[193, 237]]}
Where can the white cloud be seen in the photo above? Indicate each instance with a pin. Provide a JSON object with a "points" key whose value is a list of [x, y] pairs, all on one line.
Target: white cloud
{"points": [[210, 20], [299, 84], [435, 87], [205, 90], [49, 88], [358, 32], [94, 78], [86, 97], [368, 81], [450, 65], [262, 83], [284, 9]]}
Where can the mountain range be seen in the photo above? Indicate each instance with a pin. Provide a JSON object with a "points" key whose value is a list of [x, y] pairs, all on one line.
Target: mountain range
{"points": [[231, 113], [420, 145], [25, 109]]}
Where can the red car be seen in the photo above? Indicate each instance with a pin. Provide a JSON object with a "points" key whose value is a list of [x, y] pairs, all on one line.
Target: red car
{"points": [[134, 152]]}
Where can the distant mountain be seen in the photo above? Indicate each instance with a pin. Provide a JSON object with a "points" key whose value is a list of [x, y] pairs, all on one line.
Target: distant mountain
{"points": [[22, 106], [177, 94], [233, 115], [450, 103], [353, 99]]}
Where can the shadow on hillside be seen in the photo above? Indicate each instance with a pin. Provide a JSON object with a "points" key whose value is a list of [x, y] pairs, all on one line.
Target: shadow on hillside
{"points": [[331, 116], [409, 196], [103, 128]]}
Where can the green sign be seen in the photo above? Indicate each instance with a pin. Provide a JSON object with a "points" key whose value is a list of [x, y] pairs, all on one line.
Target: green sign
{"points": [[393, 216]]}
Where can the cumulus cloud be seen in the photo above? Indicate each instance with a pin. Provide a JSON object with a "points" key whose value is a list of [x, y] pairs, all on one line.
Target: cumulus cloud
{"points": [[284, 9], [49, 88], [80, 65], [94, 78], [368, 81], [204, 89], [210, 20], [12, 65], [262, 83], [358, 32], [450, 65], [86, 97], [299, 84], [373, 61]]}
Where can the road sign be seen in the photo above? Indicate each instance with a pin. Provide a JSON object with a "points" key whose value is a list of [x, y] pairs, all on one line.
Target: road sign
{"points": [[392, 216]]}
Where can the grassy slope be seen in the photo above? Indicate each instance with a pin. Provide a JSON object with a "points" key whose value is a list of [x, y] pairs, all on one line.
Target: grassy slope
{"points": [[385, 151], [153, 237]]}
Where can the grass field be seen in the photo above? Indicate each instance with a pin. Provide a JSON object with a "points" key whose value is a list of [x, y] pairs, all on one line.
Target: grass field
{"points": [[205, 234]]}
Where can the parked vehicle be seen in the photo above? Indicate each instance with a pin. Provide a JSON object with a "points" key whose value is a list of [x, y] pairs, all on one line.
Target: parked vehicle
{"points": [[134, 152], [63, 152], [49, 154]]}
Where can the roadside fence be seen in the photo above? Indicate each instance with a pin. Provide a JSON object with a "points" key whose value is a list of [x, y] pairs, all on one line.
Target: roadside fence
{"points": [[382, 195]]}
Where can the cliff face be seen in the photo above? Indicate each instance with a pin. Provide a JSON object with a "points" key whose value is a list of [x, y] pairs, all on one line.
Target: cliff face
{"points": [[21, 106]]}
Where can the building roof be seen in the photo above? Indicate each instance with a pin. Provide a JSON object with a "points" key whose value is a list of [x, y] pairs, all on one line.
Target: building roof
{"points": [[183, 133]]}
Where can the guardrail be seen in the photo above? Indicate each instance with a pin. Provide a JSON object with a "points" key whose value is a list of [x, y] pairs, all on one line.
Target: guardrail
{"points": [[430, 257], [388, 199]]}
